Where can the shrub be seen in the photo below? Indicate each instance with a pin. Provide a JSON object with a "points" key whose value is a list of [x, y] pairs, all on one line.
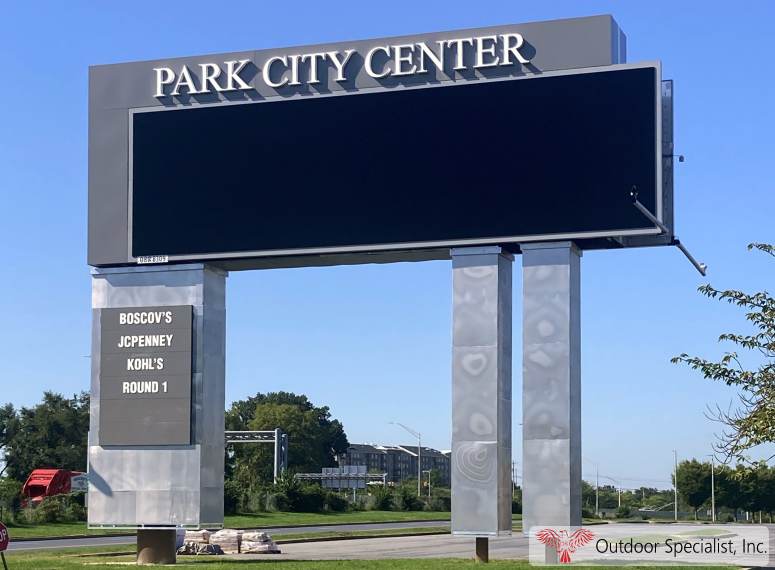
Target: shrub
{"points": [[277, 502], [516, 507], [232, 497], [439, 504], [623, 512], [59, 508], [405, 499], [309, 498], [335, 503], [10, 497], [380, 498]]}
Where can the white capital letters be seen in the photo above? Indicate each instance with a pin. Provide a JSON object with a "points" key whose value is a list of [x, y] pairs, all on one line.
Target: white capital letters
{"points": [[210, 72], [184, 80], [425, 51], [339, 64], [164, 76], [267, 71], [233, 69], [481, 51], [367, 64], [401, 58], [313, 65], [509, 50], [459, 55], [294, 70]]}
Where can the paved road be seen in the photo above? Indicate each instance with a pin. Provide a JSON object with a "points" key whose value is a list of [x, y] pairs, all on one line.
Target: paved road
{"points": [[275, 532], [434, 546]]}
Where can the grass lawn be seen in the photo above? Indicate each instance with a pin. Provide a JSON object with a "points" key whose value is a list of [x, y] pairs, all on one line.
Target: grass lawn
{"points": [[300, 536], [102, 559], [264, 520], [54, 530], [261, 520]]}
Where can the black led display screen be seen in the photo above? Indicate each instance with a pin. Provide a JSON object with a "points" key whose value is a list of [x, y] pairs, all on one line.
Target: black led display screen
{"points": [[487, 162]]}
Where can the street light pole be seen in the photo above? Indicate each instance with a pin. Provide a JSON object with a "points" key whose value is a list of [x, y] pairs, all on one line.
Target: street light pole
{"points": [[419, 453], [712, 489], [428, 471], [675, 484]]}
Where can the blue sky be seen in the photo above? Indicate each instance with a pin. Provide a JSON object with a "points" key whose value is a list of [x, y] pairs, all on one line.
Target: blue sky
{"points": [[373, 342]]}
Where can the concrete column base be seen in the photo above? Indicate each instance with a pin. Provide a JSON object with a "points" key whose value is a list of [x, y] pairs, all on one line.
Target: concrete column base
{"points": [[482, 549], [156, 546]]}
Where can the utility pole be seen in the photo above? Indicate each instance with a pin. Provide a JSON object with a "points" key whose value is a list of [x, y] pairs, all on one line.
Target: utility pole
{"points": [[675, 484], [419, 454], [513, 478], [597, 491], [712, 489], [620, 497]]}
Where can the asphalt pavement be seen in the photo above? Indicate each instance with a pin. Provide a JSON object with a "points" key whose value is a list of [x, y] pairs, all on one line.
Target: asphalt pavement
{"points": [[59, 543]]}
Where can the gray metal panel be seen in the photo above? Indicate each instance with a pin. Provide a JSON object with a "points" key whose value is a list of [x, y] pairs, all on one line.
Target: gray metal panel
{"points": [[668, 173], [163, 485], [481, 391], [551, 389], [145, 393], [115, 89]]}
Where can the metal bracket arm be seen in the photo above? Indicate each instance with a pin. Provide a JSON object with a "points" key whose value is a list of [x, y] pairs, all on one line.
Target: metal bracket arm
{"points": [[701, 267]]}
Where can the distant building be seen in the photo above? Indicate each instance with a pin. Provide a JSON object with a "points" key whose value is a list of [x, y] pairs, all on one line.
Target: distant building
{"points": [[398, 461]]}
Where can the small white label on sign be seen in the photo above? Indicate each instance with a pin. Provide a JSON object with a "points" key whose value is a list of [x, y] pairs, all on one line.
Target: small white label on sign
{"points": [[152, 259]]}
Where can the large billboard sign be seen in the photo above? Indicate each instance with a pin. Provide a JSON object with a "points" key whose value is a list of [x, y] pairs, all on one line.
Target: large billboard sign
{"points": [[468, 144], [488, 162], [145, 376], [385, 149]]}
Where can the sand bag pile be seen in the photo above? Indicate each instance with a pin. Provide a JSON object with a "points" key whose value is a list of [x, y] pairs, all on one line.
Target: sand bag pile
{"points": [[197, 542], [228, 540], [197, 536], [257, 542], [199, 548]]}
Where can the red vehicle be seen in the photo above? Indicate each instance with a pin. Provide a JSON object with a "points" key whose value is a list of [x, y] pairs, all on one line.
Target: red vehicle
{"points": [[49, 482]]}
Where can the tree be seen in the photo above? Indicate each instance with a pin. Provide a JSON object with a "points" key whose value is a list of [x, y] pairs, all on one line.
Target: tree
{"points": [[693, 480], [50, 434], [753, 422], [728, 490], [314, 438]]}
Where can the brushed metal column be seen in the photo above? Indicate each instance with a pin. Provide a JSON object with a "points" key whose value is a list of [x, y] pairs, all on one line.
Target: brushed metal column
{"points": [[551, 385], [481, 391], [173, 485]]}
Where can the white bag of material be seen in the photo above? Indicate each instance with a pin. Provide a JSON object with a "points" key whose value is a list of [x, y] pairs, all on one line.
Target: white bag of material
{"points": [[259, 547], [228, 539], [199, 548], [199, 536], [255, 536]]}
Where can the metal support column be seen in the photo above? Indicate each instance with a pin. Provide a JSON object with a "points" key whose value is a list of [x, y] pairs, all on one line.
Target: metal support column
{"points": [[551, 389], [481, 391], [163, 485], [280, 452]]}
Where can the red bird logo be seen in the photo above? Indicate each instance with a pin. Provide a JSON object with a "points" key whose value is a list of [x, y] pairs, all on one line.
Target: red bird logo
{"points": [[563, 543]]}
